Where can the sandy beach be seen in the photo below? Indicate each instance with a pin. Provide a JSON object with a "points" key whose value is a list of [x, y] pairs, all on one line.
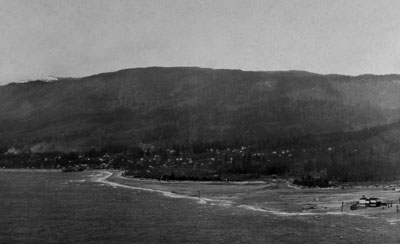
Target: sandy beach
{"points": [[275, 196]]}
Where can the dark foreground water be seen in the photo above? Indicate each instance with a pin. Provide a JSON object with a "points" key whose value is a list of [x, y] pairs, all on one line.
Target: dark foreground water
{"points": [[53, 207]]}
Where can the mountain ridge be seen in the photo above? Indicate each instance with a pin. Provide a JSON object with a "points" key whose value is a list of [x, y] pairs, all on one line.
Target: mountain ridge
{"points": [[196, 67]]}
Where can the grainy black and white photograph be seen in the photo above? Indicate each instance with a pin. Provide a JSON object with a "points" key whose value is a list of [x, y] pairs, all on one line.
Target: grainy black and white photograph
{"points": [[199, 121]]}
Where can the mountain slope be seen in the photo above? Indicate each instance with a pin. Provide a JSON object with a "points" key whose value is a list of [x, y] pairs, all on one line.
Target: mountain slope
{"points": [[188, 104]]}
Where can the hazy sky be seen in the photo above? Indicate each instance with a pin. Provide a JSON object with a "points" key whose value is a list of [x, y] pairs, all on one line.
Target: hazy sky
{"points": [[82, 37]]}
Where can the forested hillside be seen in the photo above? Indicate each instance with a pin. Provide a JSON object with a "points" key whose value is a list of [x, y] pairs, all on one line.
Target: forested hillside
{"points": [[166, 106]]}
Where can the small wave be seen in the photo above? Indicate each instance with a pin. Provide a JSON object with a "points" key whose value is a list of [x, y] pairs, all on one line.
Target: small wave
{"points": [[285, 214], [201, 201], [290, 185], [76, 181], [275, 212], [222, 204], [393, 221]]}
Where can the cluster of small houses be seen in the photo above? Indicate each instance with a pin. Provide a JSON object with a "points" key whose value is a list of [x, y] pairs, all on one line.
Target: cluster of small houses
{"points": [[372, 202], [231, 160]]}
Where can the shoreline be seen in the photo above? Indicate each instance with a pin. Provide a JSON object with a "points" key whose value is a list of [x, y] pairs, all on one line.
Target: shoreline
{"points": [[275, 197], [243, 182], [344, 185], [275, 200]]}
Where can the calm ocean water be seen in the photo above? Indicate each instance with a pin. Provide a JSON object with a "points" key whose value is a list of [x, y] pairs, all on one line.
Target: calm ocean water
{"points": [[53, 207]]}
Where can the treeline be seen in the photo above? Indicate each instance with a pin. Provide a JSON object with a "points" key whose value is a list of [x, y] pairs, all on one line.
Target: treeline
{"points": [[363, 165], [311, 160]]}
